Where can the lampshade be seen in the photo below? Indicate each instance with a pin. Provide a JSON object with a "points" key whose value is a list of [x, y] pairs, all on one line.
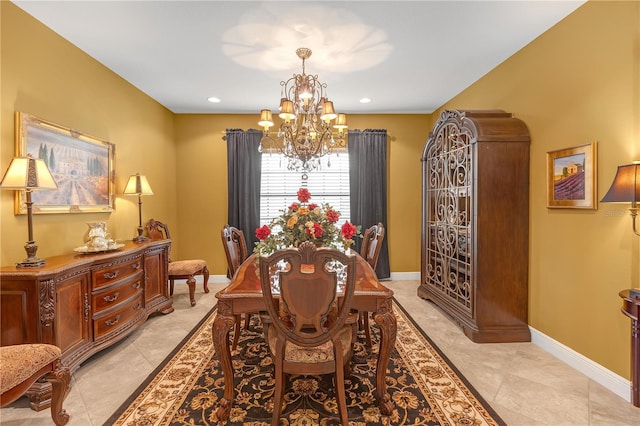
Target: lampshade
{"points": [[626, 185], [328, 113], [266, 119], [137, 185], [341, 122], [28, 173], [286, 110]]}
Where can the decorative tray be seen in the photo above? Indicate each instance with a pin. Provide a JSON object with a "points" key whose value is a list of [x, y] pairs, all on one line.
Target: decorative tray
{"points": [[85, 249]]}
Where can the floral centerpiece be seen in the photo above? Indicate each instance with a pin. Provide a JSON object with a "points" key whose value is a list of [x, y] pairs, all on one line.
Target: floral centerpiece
{"points": [[304, 221]]}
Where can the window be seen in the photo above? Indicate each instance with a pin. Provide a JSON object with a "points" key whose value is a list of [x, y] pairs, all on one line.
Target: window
{"points": [[327, 185]]}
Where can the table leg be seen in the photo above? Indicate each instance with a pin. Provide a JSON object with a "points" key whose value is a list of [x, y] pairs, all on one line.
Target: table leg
{"points": [[220, 330], [635, 363], [386, 319]]}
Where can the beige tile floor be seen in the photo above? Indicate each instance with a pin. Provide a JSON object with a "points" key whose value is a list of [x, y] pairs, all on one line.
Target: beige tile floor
{"points": [[523, 383]]}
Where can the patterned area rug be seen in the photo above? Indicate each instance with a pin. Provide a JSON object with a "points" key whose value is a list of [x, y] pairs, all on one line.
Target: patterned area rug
{"points": [[425, 387]]}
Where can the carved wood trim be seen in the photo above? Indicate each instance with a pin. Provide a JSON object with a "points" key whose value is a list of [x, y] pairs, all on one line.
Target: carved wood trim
{"points": [[47, 305]]}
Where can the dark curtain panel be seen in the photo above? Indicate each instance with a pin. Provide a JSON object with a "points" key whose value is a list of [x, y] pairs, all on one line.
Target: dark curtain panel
{"points": [[368, 186], [244, 167]]}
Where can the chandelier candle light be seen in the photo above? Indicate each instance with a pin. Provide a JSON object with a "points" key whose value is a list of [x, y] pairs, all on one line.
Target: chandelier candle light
{"points": [[306, 132]]}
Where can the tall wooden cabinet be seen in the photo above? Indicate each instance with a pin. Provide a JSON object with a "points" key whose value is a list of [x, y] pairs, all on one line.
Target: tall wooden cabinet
{"points": [[475, 223], [83, 303]]}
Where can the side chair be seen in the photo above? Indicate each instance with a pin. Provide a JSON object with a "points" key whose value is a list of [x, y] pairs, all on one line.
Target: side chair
{"points": [[180, 269], [24, 364], [235, 248], [308, 332], [370, 250]]}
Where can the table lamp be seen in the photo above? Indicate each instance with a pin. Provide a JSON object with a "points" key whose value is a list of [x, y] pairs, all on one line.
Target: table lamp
{"points": [[28, 174], [138, 185], [626, 189]]}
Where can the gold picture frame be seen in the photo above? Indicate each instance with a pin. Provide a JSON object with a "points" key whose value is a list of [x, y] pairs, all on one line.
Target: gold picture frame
{"points": [[571, 177], [82, 166]]}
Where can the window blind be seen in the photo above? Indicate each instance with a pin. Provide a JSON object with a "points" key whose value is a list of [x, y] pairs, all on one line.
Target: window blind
{"points": [[279, 186]]}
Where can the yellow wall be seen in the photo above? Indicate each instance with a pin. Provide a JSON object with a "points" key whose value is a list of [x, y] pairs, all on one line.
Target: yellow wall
{"points": [[577, 83], [44, 75], [202, 182]]}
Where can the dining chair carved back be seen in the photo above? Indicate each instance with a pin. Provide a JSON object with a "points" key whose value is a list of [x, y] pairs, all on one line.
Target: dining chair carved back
{"points": [[309, 333], [370, 251], [235, 248], [180, 269]]}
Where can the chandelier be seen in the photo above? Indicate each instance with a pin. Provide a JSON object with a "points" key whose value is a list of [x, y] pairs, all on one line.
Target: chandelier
{"points": [[310, 127]]}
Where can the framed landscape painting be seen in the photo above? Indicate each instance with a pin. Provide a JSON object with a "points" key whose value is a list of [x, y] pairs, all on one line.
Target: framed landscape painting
{"points": [[81, 165], [571, 177]]}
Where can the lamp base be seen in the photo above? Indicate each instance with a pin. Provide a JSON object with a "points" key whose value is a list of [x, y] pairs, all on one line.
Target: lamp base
{"points": [[31, 262], [140, 238], [634, 293]]}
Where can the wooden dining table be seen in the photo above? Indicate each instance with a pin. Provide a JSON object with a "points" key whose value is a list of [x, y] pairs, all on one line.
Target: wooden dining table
{"points": [[244, 295]]}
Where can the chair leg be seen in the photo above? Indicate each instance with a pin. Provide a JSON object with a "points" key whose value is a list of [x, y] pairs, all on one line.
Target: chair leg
{"points": [[340, 395], [247, 320], [367, 330], [170, 287], [205, 272], [279, 390], [236, 333], [191, 282], [60, 380]]}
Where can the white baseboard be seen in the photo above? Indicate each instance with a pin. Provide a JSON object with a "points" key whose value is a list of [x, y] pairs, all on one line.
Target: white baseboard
{"points": [[610, 380], [404, 276]]}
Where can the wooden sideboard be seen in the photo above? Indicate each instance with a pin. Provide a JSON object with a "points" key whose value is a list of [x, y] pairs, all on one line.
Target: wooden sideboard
{"points": [[83, 303]]}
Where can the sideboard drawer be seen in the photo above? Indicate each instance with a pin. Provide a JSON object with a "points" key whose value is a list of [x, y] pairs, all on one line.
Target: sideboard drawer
{"points": [[106, 324], [110, 273], [111, 296]]}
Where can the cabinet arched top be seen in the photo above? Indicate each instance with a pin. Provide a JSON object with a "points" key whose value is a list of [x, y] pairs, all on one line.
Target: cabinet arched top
{"points": [[482, 126]]}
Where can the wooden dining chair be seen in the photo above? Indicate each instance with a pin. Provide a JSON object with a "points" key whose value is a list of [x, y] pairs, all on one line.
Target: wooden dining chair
{"points": [[370, 251], [180, 269], [235, 248], [308, 333], [23, 365]]}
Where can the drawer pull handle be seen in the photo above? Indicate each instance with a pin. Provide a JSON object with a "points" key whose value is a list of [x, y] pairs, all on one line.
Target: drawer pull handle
{"points": [[136, 285], [136, 265], [111, 298], [109, 276], [137, 306], [113, 321]]}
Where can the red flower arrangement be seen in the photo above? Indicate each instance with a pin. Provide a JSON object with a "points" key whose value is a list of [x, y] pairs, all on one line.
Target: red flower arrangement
{"points": [[305, 222]]}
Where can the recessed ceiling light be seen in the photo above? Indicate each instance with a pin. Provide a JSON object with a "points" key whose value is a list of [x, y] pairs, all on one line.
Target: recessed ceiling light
{"points": [[213, 99], [365, 100]]}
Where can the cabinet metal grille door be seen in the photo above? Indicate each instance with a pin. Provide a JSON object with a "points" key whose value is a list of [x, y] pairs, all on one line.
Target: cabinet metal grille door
{"points": [[449, 212]]}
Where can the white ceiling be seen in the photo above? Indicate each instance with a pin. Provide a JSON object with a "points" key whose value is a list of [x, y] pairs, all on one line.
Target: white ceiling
{"points": [[407, 56]]}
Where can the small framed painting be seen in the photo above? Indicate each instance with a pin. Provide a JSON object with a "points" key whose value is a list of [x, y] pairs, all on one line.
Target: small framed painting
{"points": [[571, 177], [82, 166]]}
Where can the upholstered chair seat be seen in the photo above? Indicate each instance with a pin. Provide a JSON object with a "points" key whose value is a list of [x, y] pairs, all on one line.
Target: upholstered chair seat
{"points": [[22, 365], [314, 354], [186, 267]]}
